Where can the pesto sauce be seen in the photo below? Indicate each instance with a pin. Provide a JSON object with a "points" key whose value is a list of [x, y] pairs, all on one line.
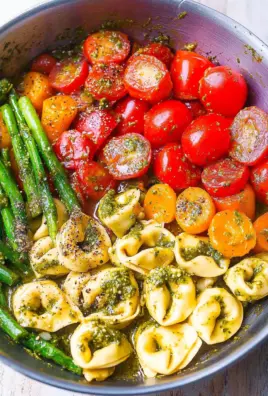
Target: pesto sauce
{"points": [[162, 275], [109, 206], [103, 336], [164, 241], [90, 239], [202, 249]]}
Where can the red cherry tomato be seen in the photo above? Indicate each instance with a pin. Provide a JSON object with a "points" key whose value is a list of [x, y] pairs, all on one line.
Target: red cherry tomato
{"points": [[94, 180], [172, 167], [43, 63], [83, 99], [77, 188], [106, 82], [107, 47], [165, 122], [225, 177], [259, 180], [147, 78], [196, 108], [72, 147], [97, 125], [249, 134], [207, 139], [223, 90], [130, 113], [68, 75], [127, 156], [186, 70], [160, 51]]}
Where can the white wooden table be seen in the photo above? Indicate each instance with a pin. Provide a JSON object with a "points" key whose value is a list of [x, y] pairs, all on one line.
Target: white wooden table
{"points": [[247, 378]]}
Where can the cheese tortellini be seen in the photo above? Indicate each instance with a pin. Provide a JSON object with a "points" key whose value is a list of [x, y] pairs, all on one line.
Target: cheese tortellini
{"points": [[148, 245], [43, 305], [169, 295], [196, 256], [119, 212], [82, 243], [166, 350], [202, 284], [248, 280], [217, 316], [44, 259], [98, 349]]}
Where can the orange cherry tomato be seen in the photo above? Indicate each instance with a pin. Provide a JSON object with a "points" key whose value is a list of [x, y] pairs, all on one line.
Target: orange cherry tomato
{"points": [[160, 203], [261, 228], [37, 87]]}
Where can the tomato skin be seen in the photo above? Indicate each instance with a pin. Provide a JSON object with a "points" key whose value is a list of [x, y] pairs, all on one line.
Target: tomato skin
{"points": [[159, 51], [97, 125], [131, 114], [94, 180], [43, 63], [107, 47], [223, 90], [186, 70], [259, 180], [225, 177], [74, 147], [127, 156], [106, 82], [196, 108], [249, 134], [207, 139], [147, 78], [172, 167], [68, 75], [165, 122]]}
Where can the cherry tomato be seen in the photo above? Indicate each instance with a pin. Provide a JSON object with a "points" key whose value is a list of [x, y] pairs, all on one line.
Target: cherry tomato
{"points": [[186, 70], [196, 108], [68, 75], [131, 113], [225, 177], [72, 147], [83, 100], [78, 190], [147, 78], [107, 47], [207, 139], [127, 156], [106, 82], [94, 180], [43, 63], [223, 90], [165, 122], [249, 134], [97, 125], [159, 51], [172, 167], [259, 180]]}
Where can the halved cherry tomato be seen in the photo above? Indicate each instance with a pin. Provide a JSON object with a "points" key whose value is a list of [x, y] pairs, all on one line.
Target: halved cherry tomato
{"points": [[243, 201], [94, 179], [249, 134], [76, 185], [130, 113], [147, 78], [165, 122], [186, 70], [107, 47], [196, 108], [5, 139], [225, 177], [74, 147], [160, 203], [194, 210], [172, 167], [261, 228], [127, 156], [160, 51], [223, 90], [232, 233], [259, 180], [83, 99], [68, 75], [207, 139], [43, 63], [106, 82], [97, 125], [36, 86]]}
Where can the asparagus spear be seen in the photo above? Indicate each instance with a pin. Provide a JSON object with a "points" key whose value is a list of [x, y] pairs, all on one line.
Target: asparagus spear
{"points": [[5, 87], [6, 157], [22, 158], [65, 190], [3, 199], [11, 327], [7, 276], [17, 259], [47, 202], [3, 301]]}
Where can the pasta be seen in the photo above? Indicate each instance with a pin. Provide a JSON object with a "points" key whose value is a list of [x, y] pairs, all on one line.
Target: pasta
{"points": [[204, 283]]}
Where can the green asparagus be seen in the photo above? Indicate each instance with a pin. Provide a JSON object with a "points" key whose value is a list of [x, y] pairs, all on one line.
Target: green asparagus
{"points": [[7, 276], [11, 327], [47, 202], [18, 260], [6, 157], [60, 179], [5, 87], [3, 199], [3, 301]]}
